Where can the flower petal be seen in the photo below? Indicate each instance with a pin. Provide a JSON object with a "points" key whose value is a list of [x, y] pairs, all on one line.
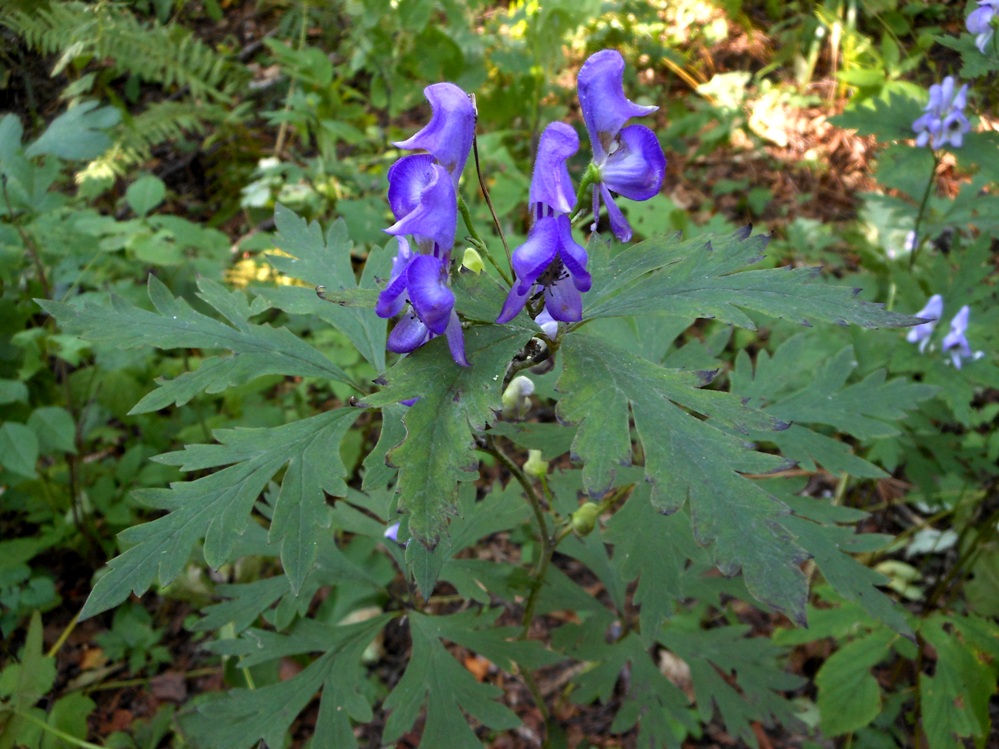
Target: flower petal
{"points": [[636, 168], [601, 97], [564, 302], [456, 340], [573, 255], [551, 185], [427, 203], [391, 301], [514, 303], [408, 334], [536, 254], [619, 224], [448, 135], [428, 292]]}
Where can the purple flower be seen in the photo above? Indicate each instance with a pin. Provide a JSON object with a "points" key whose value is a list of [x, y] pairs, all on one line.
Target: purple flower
{"points": [[550, 256], [944, 121], [418, 288], [921, 333], [448, 135], [424, 203], [980, 22], [955, 341], [628, 160]]}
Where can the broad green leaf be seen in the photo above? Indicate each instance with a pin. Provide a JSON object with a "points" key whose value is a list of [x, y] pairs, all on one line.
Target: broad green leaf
{"points": [[687, 459], [955, 700], [77, 133], [849, 696], [54, 427], [217, 507], [552, 440], [24, 683], [700, 278], [144, 194], [13, 391], [69, 715], [799, 383], [454, 403], [723, 657], [378, 472], [889, 119], [436, 683], [243, 717], [321, 259], [256, 349], [18, 449]]}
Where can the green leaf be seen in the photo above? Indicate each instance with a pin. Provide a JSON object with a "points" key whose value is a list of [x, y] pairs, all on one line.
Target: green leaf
{"points": [[13, 391], [955, 700], [800, 383], [245, 716], [77, 133], [54, 428], [454, 402], [144, 194], [698, 278], [257, 349], [18, 449], [686, 459], [24, 683], [217, 507], [325, 260], [378, 471], [849, 697], [434, 681], [890, 118], [722, 657]]}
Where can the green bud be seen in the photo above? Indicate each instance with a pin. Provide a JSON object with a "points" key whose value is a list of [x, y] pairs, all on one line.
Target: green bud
{"points": [[535, 466], [516, 398], [472, 260], [584, 520]]}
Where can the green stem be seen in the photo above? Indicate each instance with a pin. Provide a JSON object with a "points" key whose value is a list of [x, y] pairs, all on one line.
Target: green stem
{"points": [[922, 210], [489, 202], [466, 216], [590, 177], [56, 732]]}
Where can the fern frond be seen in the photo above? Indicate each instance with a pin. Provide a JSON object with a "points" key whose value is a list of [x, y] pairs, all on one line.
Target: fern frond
{"points": [[168, 55]]}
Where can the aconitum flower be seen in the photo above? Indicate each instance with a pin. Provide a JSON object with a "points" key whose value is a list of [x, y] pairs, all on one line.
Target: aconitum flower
{"points": [[550, 257], [955, 343], [448, 135], [980, 22], [629, 160], [419, 290], [944, 121], [921, 333], [424, 202]]}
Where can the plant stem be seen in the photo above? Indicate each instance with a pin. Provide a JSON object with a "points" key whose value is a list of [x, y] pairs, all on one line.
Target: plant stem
{"points": [[489, 202], [56, 732], [917, 243], [466, 216]]}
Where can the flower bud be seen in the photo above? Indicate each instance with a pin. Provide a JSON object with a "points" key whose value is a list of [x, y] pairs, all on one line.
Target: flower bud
{"points": [[535, 466], [584, 520], [472, 260], [516, 397]]}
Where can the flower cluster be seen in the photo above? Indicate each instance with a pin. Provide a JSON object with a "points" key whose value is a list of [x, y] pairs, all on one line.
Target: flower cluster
{"points": [[955, 342], [944, 121], [550, 264], [981, 22]]}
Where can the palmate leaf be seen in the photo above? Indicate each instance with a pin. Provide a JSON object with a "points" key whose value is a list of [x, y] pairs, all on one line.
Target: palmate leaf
{"points": [[454, 401], [256, 349], [700, 278], [686, 459], [802, 384], [243, 717], [217, 507], [434, 680], [324, 260]]}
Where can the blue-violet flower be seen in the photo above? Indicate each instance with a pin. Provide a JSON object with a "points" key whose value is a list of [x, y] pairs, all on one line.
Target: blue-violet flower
{"points": [[629, 160], [980, 22], [448, 135], [944, 121], [550, 256], [955, 343], [931, 312]]}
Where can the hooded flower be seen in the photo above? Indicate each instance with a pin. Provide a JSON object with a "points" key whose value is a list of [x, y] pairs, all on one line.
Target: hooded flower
{"points": [[418, 289], [944, 121], [921, 333], [448, 135], [423, 200], [980, 22], [955, 343], [550, 256], [629, 160]]}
